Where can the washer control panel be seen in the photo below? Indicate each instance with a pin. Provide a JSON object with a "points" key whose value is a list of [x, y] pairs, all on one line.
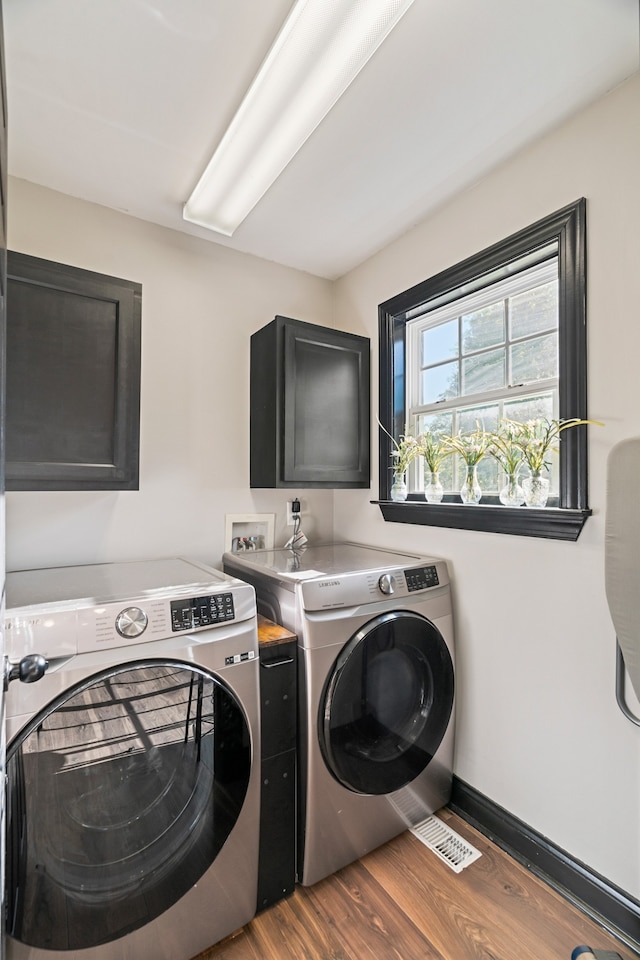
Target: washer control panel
{"points": [[193, 612], [84, 628], [421, 578]]}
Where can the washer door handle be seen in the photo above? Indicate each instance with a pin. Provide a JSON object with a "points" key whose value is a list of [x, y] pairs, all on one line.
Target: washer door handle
{"points": [[31, 668]]}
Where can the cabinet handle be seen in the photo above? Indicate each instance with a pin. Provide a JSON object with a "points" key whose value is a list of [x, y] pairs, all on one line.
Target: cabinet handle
{"points": [[275, 663]]}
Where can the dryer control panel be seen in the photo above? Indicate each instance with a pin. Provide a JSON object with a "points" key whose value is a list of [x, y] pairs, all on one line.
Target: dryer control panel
{"points": [[351, 589]]}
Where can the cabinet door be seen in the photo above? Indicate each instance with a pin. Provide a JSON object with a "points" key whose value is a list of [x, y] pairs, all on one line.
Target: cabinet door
{"points": [[73, 378], [326, 406]]}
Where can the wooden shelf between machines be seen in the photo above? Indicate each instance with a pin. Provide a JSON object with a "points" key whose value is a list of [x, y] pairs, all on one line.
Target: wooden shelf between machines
{"points": [[278, 714]]}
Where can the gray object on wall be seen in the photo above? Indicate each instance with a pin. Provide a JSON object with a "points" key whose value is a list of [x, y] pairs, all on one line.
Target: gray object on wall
{"points": [[622, 553]]}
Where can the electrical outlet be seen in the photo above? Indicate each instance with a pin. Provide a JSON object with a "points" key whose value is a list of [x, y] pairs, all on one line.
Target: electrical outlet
{"points": [[291, 514]]}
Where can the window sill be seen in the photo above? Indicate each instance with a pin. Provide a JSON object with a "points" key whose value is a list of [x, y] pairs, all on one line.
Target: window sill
{"points": [[551, 523]]}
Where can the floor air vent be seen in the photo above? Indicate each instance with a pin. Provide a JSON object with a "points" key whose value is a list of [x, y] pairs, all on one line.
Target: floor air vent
{"points": [[446, 843]]}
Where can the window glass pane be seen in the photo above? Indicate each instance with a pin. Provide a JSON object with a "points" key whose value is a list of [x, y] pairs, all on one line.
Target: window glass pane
{"points": [[537, 408], [488, 476], [534, 359], [440, 342], [483, 328], [439, 423], [486, 417], [530, 408], [484, 372], [534, 310], [446, 475], [440, 383], [487, 472]]}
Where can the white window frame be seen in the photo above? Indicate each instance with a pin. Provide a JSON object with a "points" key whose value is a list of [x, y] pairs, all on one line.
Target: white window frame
{"points": [[527, 279]]}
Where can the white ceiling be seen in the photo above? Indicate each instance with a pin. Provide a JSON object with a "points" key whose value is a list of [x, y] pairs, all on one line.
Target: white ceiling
{"points": [[121, 102]]}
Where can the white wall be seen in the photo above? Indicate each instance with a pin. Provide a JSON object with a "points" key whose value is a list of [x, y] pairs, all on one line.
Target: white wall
{"points": [[200, 304], [539, 730]]}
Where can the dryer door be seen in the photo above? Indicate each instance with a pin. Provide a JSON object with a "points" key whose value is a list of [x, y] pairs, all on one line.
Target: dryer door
{"points": [[387, 703], [121, 793]]}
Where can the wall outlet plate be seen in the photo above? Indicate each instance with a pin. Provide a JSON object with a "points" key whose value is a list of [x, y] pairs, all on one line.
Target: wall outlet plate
{"points": [[290, 514]]}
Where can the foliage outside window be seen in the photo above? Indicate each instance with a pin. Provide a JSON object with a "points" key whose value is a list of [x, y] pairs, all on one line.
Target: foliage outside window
{"points": [[501, 335]]}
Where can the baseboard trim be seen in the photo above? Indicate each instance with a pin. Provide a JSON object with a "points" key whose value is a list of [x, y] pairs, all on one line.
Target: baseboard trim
{"points": [[605, 903]]}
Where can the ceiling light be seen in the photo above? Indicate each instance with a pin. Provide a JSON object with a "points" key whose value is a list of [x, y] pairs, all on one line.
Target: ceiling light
{"points": [[321, 48]]}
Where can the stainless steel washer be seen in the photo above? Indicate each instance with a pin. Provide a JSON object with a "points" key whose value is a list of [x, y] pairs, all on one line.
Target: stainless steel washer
{"points": [[133, 764], [377, 690]]}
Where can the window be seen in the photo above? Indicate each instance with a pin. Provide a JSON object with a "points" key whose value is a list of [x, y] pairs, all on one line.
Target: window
{"points": [[500, 335]]}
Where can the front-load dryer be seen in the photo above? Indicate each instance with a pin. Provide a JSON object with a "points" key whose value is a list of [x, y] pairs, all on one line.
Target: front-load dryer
{"points": [[376, 690], [133, 767]]}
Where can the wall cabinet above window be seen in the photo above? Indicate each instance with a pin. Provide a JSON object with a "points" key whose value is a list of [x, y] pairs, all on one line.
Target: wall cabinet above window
{"points": [[310, 406]]}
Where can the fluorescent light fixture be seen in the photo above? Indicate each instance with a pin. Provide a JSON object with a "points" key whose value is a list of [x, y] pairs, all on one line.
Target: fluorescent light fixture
{"points": [[321, 48]]}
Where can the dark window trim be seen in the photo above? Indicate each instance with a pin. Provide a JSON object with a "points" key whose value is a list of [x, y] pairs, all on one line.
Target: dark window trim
{"points": [[567, 229]]}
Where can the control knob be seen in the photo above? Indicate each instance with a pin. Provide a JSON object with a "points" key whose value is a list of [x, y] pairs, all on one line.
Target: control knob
{"points": [[131, 623], [387, 583]]}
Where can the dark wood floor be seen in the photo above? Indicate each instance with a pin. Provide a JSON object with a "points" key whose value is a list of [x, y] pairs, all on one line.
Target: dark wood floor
{"points": [[402, 903]]}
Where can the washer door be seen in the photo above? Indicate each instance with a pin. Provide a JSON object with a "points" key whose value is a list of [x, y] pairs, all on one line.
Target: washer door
{"points": [[121, 793], [387, 703]]}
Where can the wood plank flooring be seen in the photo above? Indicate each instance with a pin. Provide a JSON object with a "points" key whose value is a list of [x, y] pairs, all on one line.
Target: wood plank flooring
{"points": [[401, 902]]}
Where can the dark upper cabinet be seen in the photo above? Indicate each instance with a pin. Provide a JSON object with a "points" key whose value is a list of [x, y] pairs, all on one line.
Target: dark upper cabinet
{"points": [[73, 378], [310, 406]]}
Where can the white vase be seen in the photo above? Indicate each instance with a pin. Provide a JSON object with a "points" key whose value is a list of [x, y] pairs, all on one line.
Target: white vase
{"points": [[512, 494], [536, 490], [470, 491], [399, 487], [433, 490]]}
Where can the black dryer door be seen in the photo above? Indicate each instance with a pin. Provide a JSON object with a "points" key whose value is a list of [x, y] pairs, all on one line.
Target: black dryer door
{"points": [[387, 703]]}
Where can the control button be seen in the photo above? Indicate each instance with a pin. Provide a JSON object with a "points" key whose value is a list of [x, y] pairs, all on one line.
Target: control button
{"points": [[132, 622], [387, 583]]}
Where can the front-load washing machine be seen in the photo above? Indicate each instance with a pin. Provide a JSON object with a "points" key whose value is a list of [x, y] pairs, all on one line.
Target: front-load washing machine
{"points": [[133, 763], [376, 690]]}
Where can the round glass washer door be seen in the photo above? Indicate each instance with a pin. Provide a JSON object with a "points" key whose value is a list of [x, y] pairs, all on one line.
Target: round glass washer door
{"points": [[121, 793], [387, 703]]}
